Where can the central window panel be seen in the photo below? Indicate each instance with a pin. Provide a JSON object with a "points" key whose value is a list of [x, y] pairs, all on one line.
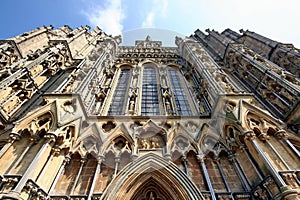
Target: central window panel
{"points": [[150, 103]]}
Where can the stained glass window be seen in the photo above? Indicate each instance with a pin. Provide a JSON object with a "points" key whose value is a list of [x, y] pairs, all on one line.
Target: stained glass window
{"points": [[182, 104], [150, 104], [118, 100]]}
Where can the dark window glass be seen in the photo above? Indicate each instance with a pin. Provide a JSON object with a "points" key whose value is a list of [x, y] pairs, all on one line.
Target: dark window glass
{"points": [[181, 100], [150, 105], [118, 100]]}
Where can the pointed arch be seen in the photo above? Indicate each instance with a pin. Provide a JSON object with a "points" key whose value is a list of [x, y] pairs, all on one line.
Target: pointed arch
{"points": [[180, 133], [121, 130], [91, 139], [151, 168], [49, 109]]}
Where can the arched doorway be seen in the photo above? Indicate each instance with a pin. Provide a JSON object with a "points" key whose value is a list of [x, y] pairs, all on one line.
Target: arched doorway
{"points": [[151, 177]]}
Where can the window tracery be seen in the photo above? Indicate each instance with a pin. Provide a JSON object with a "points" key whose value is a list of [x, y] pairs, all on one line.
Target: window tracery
{"points": [[150, 102], [180, 96], [119, 97]]}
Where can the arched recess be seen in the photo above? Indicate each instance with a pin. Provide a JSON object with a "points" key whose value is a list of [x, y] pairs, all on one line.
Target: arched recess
{"points": [[138, 178]]}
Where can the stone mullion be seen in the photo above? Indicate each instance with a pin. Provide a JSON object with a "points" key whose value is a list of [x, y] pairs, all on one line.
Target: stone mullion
{"points": [[68, 79], [281, 135], [292, 147], [20, 158], [94, 181], [250, 135], [49, 142], [253, 165], [60, 171], [44, 169], [277, 154], [117, 162], [185, 165], [217, 161], [200, 159], [241, 173], [11, 140], [82, 163]]}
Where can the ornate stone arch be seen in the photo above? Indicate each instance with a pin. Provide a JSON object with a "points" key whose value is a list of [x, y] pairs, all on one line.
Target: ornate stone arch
{"points": [[181, 141], [91, 139], [151, 173], [150, 135], [147, 61], [122, 131], [207, 138], [49, 110]]}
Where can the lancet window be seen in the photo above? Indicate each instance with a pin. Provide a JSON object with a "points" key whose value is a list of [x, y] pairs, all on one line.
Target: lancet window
{"points": [[119, 97], [150, 102], [180, 96]]}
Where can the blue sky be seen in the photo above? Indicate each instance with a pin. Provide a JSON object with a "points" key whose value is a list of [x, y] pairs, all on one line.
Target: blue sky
{"points": [[278, 20]]}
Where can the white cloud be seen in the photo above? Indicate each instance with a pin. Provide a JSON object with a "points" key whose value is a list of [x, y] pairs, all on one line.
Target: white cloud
{"points": [[158, 10], [108, 17], [149, 21]]}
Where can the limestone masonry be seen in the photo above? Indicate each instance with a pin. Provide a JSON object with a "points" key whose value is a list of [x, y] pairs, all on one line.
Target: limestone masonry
{"points": [[83, 117]]}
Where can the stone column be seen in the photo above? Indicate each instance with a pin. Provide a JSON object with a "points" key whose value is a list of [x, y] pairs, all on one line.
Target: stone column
{"points": [[12, 138], [117, 162], [50, 138], [281, 134], [277, 154], [82, 163], [17, 162], [61, 169], [240, 171], [97, 172], [250, 135], [200, 159], [184, 162], [217, 161], [55, 151]]}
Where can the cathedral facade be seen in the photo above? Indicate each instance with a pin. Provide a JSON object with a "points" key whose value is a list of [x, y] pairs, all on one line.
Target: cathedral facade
{"points": [[84, 117]]}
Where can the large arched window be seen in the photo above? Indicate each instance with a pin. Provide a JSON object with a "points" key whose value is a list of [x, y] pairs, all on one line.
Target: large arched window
{"points": [[150, 102], [180, 96], [120, 96]]}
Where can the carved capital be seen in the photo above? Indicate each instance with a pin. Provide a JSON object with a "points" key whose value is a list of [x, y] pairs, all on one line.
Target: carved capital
{"points": [[249, 135], [56, 150], [264, 136], [14, 136], [281, 134], [200, 158], [83, 160], [50, 137]]}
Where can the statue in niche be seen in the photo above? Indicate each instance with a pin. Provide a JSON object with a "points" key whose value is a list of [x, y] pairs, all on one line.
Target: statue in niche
{"points": [[167, 97], [221, 80], [132, 95], [100, 95], [163, 74], [151, 196], [150, 143], [135, 73], [69, 107], [145, 144], [154, 142], [191, 126]]}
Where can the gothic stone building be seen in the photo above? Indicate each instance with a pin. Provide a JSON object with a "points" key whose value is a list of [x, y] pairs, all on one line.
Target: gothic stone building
{"points": [[83, 117]]}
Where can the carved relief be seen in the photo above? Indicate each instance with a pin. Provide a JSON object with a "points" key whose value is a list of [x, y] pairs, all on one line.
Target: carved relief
{"points": [[8, 55], [151, 142]]}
